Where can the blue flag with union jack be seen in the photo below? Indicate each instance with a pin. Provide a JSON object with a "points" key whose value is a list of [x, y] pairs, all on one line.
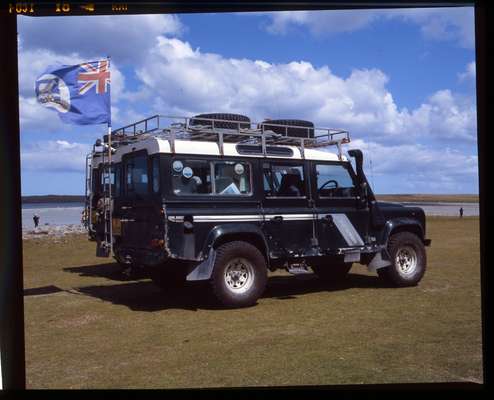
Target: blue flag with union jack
{"points": [[79, 93]]}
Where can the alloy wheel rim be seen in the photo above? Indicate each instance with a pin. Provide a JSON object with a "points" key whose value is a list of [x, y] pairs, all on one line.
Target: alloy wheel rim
{"points": [[406, 260], [239, 275]]}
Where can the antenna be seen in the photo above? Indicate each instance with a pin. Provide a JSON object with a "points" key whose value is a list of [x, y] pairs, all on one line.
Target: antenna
{"points": [[372, 174]]}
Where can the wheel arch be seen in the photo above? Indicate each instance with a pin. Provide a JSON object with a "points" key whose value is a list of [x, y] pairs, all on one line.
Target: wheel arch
{"points": [[397, 225], [222, 234]]}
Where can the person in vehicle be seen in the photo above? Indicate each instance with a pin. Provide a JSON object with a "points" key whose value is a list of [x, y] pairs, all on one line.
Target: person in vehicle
{"points": [[185, 185], [291, 184]]}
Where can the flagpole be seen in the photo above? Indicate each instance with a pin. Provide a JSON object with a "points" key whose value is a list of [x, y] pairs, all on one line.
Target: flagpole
{"points": [[109, 169]]}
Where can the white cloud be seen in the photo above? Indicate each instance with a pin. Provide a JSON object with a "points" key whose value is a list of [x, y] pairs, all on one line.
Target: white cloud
{"points": [[125, 38], [320, 22], [181, 79], [469, 74], [448, 116], [33, 116], [416, 168], [449, 23], [54, 156]]}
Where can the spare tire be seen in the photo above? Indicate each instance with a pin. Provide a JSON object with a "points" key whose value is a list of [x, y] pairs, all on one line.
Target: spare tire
{"points": [[306, 129], [225, 125]]}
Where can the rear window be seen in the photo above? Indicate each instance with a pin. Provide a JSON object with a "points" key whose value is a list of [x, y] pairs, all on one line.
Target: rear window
{"points": [[136, 175]]}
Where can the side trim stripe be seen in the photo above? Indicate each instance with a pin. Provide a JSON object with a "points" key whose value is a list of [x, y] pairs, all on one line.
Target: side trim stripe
{"points": [[343, 224]]}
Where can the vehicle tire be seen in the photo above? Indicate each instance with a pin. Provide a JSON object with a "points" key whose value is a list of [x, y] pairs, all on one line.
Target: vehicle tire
{"points": [[407, 253], [299, 132], [239, 274], [172, 275], [235, 118], [332, 272]]}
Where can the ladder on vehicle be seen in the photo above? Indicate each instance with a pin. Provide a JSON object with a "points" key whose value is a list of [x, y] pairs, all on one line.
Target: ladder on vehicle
{"points": [[105, 243], [88, 197], [187, 128]]}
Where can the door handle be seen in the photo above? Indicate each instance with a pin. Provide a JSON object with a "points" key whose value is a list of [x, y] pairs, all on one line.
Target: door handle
{"points": [[277, 219]]}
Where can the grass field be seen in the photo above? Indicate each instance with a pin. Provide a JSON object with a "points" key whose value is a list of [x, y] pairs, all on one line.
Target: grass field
{"points": [[87, 327]]}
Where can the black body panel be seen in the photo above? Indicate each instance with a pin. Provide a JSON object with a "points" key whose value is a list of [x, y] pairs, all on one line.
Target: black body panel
{"points": [[161, 223]]}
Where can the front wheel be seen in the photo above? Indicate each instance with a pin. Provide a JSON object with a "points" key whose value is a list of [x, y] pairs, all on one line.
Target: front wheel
{"points": [[239, 275], [408, 259]]}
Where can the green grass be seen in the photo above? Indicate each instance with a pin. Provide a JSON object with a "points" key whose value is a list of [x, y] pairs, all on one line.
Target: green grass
{"points": [[97, 330]]}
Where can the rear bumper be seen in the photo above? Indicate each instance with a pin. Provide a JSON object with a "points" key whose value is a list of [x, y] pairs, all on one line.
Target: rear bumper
{"points": [[427, 242], [141, 256]]}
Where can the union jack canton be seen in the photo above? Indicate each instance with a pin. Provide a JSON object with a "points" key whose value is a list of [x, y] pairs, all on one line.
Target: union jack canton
{"points": [[79, 93]]}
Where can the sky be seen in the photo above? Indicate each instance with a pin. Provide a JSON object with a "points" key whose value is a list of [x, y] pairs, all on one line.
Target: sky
{"points": [[402, 81]]}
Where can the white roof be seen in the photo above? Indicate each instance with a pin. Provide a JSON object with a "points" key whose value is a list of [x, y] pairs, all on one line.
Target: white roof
{"points": [[155, 145]]}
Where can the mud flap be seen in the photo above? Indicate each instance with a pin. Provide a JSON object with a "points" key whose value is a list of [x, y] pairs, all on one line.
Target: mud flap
{"points": [[203, 271], [380, 260]]}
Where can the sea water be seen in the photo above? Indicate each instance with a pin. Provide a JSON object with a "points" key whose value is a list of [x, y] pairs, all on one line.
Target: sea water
{"points": [[52, 214]]}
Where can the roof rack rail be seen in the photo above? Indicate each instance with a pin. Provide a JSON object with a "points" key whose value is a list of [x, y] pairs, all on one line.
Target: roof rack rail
{"points": [[172, 128]]}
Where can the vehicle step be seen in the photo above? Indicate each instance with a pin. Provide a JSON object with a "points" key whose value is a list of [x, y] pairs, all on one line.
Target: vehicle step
{"points": [[299, 270]]}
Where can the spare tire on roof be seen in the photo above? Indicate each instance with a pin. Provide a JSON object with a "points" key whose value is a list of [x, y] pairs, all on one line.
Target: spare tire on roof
{"points": [[306, 127], [235, 118]]}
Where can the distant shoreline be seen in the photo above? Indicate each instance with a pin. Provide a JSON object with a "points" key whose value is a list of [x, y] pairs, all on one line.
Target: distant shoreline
{"points": [[408, 198], [53, 198]]}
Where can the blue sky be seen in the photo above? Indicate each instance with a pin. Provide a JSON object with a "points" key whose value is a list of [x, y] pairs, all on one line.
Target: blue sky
{"points": [[402, 82]]}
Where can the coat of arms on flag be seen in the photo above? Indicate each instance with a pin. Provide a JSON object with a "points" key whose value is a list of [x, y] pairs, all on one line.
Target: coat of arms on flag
{"points": [[79, 93]]}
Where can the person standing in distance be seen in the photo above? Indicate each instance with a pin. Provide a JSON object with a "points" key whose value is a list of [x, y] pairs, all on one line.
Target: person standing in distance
{"points": [[36, 220]]}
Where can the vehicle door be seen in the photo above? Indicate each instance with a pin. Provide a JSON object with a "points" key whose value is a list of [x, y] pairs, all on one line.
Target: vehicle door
{"points": [[288, 218], [137, 210], [341, 223]]}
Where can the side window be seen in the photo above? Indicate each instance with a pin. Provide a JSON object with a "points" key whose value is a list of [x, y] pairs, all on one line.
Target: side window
{"points": [[137, 175], [115, 174], [191, 177], [156, 174], [283, 180], [334, 180], [232, 177]]}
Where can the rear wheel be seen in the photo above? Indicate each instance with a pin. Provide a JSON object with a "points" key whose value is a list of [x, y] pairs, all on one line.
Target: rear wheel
{"points": [[408, 259], [239, 275], [332, 272]]}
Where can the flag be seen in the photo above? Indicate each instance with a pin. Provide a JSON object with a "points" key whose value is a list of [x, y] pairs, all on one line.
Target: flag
{"points": [[79, 93]]}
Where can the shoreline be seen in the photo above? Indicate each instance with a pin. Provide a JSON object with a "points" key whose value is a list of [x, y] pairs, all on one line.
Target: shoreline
{"points": [[61, 231], [53, 231]]}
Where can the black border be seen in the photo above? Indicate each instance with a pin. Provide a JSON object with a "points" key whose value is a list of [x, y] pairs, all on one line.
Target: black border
{"points": [[11, 277]]}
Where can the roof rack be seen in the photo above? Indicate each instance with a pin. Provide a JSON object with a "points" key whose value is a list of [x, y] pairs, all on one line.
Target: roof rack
{"points": [[172, 128]]}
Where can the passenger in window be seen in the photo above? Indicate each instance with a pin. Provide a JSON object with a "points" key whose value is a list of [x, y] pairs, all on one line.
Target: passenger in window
{"points": [[291, 184], [185, 185]]}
